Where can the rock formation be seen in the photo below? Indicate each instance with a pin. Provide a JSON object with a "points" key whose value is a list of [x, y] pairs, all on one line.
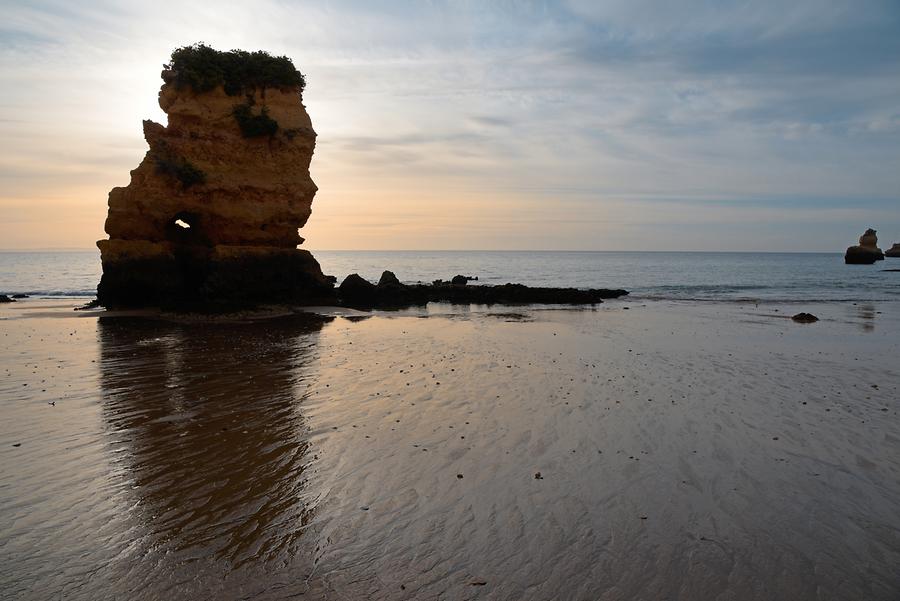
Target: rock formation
{"points": [[357, 292], [388, 279], [893, 251], [212, 213], [210, 219], [867, 252]]}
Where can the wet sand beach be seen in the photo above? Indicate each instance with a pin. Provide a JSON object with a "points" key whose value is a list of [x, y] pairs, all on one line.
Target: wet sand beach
{"points": [[655, 450]]}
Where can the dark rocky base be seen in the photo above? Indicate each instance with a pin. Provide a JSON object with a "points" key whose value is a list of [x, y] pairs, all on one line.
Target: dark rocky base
{"points": [[195, 283], [858, 255], [356, 292], [192, 281]]}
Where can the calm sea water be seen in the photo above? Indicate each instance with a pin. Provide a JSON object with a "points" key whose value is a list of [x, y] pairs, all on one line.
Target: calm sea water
{"points": [[775, 277]]}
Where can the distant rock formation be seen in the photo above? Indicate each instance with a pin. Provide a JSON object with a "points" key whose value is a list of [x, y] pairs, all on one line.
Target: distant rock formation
{"points": [[893, 251], [212, 213], [867, 252]]}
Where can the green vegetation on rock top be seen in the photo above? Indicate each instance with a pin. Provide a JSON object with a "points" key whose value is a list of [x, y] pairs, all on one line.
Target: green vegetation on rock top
{"points": [[203, 68]]}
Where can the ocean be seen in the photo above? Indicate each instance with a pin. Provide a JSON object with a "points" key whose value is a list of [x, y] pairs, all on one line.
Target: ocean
{"points": [[695, 276]]}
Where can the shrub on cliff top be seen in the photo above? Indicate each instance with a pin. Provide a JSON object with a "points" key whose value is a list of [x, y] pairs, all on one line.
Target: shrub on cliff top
{"points": [[203, 68]]}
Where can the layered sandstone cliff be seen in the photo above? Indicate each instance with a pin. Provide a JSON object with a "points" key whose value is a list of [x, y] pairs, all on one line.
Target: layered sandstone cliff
{"points": [[212, 212]]}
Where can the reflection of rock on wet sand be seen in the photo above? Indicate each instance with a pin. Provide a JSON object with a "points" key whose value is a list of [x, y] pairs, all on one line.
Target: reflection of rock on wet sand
{"points": [[210, 436], [867, 314]]}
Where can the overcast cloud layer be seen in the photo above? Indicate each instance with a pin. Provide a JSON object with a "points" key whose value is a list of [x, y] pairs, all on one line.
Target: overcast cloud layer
{"points": [[476, 125]]}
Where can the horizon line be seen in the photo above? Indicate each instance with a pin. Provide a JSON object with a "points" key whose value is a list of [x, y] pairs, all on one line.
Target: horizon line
{"points": [[475, 250]]}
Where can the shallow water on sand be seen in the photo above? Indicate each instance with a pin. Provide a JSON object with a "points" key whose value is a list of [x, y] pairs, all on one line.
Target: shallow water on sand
{"points": [[666, 451]]}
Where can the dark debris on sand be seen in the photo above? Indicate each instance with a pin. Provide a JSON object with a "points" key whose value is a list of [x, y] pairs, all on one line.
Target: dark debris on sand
{"points": [[805, 318]]}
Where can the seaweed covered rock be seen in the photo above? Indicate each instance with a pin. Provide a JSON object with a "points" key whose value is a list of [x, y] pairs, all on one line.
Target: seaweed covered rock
{"points": [[356, 289], [358, 292], [212, 213]]}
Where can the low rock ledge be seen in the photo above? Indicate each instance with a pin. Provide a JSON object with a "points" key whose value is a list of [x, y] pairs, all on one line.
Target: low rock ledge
{"points": [[358, 292]]}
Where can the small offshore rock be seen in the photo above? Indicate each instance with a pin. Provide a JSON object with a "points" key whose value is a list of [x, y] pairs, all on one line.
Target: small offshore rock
{"points": [[893, 251], [5, 299], [20, 295], [867, 252], [459, 280], [805, 318]]}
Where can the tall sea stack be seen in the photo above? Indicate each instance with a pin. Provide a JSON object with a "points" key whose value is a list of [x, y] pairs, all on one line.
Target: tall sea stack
{"points": [[212, 213]]}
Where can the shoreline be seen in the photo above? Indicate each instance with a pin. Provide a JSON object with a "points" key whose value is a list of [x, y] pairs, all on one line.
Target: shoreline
{"points": [[73, 307]]}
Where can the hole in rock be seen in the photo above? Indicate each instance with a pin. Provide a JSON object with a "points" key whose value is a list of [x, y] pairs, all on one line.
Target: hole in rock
{"points": [[186, 229]]}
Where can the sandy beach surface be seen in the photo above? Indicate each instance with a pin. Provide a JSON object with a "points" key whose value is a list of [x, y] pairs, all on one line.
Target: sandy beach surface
{"points": [[650, 451]]}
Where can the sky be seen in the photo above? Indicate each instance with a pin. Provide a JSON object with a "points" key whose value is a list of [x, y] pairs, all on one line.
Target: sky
{"points": [[580, 124]]}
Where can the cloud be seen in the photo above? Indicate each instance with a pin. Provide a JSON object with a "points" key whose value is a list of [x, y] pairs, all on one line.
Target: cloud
{"points": [[525, 105]]}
